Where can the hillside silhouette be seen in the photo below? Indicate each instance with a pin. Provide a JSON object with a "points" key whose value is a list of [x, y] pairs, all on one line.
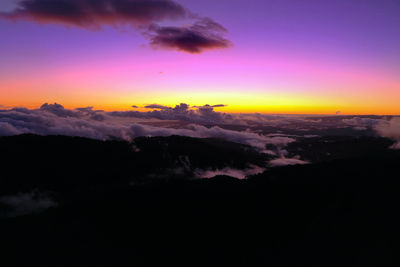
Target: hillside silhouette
{"points": [[338, 212]]}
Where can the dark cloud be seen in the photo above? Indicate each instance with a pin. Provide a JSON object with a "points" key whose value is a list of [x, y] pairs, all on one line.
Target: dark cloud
{"points": [[58, 110], [157, 106], [219, 106], [94, 114], [209, 106], [134, 106], [183, 112], [208, 111], [96, 13], [207, 115], [359, 123], [98, 117], [181, 108], [143, 15], [205, 34], [129, 114], [86, 109]]}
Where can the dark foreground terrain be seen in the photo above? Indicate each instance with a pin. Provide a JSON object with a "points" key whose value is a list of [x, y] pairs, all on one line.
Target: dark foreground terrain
{"points": [[119, 204]]}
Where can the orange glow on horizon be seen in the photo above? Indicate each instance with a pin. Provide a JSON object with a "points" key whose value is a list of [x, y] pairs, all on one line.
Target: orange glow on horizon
{"points": [[236, 103]]}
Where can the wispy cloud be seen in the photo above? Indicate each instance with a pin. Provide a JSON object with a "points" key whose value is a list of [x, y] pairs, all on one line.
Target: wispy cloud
{"points": [[236, 173], [27, 203], [286, 161]]}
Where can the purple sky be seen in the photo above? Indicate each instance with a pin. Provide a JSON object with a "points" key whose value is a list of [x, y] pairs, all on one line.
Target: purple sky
{"points": [[343, 54]]}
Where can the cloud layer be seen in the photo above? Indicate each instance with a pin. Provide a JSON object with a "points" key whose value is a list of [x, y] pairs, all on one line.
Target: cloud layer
{"points": [[267, 133], [54, 119], [390, 129], [143, 15]]}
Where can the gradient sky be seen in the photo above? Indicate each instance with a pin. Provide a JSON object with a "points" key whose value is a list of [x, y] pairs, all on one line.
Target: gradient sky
{"points": [[288, 56]]}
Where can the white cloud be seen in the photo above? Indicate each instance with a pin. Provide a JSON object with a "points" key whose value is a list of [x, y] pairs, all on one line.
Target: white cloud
{"points": [[286, 161], [390, 129], [27, 203], [240, 174]]}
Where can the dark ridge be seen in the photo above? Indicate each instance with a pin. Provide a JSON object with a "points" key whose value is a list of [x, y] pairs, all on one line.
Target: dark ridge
{"points": [[327, 148], [70, 164], [341, 212]]}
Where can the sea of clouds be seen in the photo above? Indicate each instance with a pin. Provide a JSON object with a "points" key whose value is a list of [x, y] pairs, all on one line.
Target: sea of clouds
{"points": [[54, 119], [196, 121]]}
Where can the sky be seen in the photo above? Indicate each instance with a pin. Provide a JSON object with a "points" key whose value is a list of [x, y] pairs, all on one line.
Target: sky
{"points": [[266, 56]]}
